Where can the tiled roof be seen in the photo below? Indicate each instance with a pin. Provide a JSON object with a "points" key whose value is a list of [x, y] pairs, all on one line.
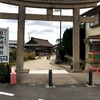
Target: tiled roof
{"points": [[41, 42], [92, 37], [92, 11], [13, 42]]}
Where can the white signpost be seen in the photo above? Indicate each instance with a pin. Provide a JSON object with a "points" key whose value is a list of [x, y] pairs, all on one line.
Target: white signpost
{"points": [[4, 45]]}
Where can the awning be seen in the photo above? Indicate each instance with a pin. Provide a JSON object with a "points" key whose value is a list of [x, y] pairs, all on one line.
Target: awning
{"points": [[92, 39]]}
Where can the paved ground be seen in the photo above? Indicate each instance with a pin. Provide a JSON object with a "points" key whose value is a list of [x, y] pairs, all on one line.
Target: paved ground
{"points": [[68, 86], [40, 77], [63, 92], [42, 64]]}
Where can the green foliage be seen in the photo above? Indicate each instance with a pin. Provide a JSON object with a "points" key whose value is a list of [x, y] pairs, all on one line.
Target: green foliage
{"points": [[68, 44], [58, 41], [83, 67], [82, 44], [5, 70], [4, 73], [31, 58], [67, 41], [29, 55], [12, 57]]}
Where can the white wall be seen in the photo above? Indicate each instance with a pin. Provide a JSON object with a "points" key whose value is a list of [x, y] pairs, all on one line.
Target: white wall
{"points": [[89, 32]]}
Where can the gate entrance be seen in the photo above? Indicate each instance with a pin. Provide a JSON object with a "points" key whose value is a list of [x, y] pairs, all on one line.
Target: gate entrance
{"points": [[75, 5]]}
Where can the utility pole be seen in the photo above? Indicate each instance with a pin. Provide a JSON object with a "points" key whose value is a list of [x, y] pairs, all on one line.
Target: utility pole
{"points": [[58, 59], [60, 32]]}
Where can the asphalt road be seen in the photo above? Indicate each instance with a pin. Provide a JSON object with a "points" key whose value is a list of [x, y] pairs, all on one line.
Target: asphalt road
{"points": [[64, 92]]}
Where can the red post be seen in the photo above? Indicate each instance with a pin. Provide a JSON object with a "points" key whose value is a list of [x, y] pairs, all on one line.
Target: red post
{"points": [[92, 56], [13, 76]]}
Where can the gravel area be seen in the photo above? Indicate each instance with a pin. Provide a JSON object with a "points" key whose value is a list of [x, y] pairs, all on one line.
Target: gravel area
{"points": [[42, 64]]}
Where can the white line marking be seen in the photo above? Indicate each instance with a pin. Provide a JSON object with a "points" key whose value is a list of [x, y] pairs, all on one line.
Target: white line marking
{"points": [[47, 72], [8, 94]]}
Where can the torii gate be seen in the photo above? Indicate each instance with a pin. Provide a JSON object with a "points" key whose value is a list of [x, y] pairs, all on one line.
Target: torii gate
{"points": [[49, 5]]}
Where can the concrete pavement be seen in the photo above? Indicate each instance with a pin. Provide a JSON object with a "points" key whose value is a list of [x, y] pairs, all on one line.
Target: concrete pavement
{"points": [[58, 78], [46, 72]]}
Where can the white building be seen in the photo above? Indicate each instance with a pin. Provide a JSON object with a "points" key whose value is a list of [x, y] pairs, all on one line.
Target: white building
{"points": [[93, 38]]}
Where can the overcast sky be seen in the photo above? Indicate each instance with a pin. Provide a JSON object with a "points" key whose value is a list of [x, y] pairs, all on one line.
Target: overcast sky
{"points": [[48, 30]]}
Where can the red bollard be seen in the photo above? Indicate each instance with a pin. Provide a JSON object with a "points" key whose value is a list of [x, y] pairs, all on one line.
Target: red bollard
{"points": [[13, 76]]}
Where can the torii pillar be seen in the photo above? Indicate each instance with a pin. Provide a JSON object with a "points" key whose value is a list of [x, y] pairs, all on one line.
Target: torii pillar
{"points": [[20, 38], [76, 40]]}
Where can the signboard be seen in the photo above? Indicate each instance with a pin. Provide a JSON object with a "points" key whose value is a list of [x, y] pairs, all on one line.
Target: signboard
{"points": [[4, 45]]}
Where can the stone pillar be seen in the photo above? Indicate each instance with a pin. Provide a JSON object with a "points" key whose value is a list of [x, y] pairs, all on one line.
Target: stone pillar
{"points": [[20, 38], [76, 40]]}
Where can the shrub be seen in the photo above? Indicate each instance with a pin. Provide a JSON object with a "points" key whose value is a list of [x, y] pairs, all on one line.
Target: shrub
{"points": [[4, 73], [82, 66], [12, 54], [29, 55], [12, 57]]}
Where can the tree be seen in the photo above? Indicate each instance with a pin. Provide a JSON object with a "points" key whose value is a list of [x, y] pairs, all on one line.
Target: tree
{"points": [[67, 41], [58, 41]]}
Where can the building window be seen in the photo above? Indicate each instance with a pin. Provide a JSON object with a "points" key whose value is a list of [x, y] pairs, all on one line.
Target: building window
{"points": [[97, 21], [96, 48]]}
